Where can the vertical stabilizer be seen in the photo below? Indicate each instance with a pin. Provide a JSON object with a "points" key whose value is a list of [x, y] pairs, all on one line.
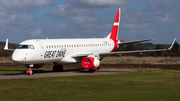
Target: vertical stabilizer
{"points": [[114, 32]]}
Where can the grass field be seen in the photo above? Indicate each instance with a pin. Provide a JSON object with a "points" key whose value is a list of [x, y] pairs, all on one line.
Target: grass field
{"points": [[147, 85], [9, 70], [6, 70]]}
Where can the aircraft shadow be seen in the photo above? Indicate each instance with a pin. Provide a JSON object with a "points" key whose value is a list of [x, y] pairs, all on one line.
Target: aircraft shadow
{"points": [[43, 71], [78, 70]]}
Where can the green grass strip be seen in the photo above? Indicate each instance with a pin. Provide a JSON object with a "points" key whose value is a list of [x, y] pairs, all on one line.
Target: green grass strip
{"points": [[148, 85]]}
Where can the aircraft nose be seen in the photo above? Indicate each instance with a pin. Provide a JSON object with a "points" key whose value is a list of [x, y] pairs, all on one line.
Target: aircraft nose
{"points": [[16, 57]]}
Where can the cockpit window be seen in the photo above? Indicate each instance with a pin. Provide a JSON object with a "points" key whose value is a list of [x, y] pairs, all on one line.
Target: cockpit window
{"points": [[31, 47], [25, 47]]}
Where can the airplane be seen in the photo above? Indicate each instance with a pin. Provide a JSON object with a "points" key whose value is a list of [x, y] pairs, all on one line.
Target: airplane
{"points": [[87, 51]]}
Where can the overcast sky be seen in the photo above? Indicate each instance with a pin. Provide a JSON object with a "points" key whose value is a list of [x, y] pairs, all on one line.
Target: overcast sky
{"points": [[141, 19]]}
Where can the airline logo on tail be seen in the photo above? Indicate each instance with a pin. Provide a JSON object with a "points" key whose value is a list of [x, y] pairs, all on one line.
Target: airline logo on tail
{"points": [[114, 32]]}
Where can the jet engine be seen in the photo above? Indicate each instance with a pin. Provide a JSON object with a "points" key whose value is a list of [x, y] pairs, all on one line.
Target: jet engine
{"points": [[90, 63], [35, 65]]}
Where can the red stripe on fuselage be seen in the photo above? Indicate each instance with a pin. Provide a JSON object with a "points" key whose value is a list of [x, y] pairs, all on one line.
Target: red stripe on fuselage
{"points": [[115, 45]]}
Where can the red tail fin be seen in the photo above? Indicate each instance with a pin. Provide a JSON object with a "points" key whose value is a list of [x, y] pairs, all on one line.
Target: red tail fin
{"points": [[114, 33]]}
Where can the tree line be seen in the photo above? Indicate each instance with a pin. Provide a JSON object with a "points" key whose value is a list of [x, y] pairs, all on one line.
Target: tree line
{"points": [[4, 53], [175, 51]]}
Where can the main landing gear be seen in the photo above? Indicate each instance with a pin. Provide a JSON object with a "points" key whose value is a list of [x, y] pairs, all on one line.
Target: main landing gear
{"points": [[29, 71], [58, 68]]}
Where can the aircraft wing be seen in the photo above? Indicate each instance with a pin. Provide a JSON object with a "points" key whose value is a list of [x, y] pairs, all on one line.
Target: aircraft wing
{"points": [[130, 42], [6, 46], [79, 55], [138, 51], [82, 55]]}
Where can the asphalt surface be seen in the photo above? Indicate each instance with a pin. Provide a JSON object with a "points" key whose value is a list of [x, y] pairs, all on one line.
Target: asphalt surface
{"points": [[66, 72], [104, 65]]}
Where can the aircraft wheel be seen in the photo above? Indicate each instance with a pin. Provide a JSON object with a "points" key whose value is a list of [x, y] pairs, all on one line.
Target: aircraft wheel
{"points": [[91, 70], [29, 72], [58, 68]]}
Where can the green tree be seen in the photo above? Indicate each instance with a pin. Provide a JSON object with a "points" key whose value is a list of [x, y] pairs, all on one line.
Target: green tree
{"points": [[175, 48]]}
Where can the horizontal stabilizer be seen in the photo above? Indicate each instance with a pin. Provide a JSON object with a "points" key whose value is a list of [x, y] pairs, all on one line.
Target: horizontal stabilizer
{"points": [[130, 42]]}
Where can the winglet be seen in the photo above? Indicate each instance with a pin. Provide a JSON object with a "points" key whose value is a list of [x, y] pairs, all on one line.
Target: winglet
{"points": [[172, 44], [6, 46]]}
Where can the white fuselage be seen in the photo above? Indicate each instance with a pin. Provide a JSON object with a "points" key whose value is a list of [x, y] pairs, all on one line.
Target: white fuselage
{"points": [[59, 50]]}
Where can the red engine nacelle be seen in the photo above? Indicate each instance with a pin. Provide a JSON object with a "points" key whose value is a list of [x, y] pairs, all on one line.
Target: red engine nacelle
{"points": [[90, 63], [35, 65]]}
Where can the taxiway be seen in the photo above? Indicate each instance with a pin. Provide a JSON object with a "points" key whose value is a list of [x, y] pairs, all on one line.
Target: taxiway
{"points": [[66, 72]]}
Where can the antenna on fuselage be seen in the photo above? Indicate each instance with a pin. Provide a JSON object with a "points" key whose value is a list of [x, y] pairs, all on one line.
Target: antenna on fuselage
{"points": [[24, 35]]}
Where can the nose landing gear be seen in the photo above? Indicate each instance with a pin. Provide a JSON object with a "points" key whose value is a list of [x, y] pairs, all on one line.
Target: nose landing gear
{"points": [[29, 71]]}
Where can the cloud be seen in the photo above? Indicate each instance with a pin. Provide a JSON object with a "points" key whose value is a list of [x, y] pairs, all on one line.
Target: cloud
{"points": [[9, 20], [18, 20], [83, 20], [155, 19], [164, 4], [25, 3], [97, 3], [80, 18], [36, 32], [67, 10]]}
